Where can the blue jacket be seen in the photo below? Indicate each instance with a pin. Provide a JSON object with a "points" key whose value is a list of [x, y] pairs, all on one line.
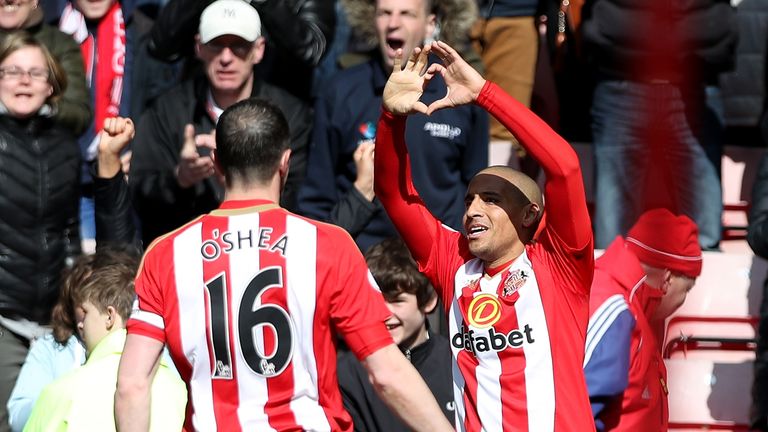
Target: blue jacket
{"points": [[446, 149]]}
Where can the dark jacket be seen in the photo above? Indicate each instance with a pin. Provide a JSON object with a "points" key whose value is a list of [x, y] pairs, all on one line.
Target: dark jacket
{"points": [[113, 212], [297, 33], [757, 234], [432, 360], [744, 90], [447, 149], [162, 205], [74, 109], [39, 229], [699, 38]]}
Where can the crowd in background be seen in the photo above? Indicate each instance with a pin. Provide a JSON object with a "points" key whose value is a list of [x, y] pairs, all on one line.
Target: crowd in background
{"points": [[657, 87]]}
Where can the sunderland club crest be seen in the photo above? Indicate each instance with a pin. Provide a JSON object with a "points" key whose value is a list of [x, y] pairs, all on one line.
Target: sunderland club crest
{"points": [[514, 281]]}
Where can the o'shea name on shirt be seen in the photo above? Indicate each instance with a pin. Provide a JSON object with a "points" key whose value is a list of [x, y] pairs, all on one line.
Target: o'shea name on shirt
{"points": [[228, 241]]}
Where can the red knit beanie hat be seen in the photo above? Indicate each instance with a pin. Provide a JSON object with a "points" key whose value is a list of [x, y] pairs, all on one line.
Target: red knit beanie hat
{"points": [[661, 239]]}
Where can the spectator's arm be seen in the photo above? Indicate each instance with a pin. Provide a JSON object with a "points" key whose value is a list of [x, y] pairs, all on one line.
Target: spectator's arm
{"points": [[173, 33], [301, 27], [607, 358], [757, 233], [74, 107], [401, 387]]}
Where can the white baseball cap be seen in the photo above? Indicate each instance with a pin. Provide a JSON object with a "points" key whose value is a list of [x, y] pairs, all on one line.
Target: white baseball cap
{"points": [[229, 17]]}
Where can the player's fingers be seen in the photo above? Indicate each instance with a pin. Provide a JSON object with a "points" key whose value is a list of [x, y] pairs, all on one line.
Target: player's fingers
{"points": [[421, 107], [398, 61], [423, 59], [412, 59]]}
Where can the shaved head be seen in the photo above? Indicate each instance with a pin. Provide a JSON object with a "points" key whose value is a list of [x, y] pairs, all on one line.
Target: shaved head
{"points": [[526, 185]]}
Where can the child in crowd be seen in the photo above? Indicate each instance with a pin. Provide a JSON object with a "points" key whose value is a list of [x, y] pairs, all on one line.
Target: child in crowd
{"points": [[84, 398], [410, 298]]}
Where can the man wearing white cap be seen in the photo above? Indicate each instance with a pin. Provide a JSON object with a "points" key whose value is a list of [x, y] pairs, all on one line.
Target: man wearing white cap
{"points": [[172, 177]]}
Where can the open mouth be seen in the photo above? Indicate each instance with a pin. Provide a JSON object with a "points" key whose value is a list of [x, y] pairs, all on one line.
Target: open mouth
{"points": [[10, 8], [392, 326], [394, 44], [476, 230]]}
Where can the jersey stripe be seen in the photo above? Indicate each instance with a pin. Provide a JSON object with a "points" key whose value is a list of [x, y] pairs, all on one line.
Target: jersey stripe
{"points": [[302, 301], [188, 277], [244, 265], [539, 380]]}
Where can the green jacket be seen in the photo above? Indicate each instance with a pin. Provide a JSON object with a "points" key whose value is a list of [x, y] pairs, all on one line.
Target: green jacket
{"points": [[84, 400], [74, 109]]}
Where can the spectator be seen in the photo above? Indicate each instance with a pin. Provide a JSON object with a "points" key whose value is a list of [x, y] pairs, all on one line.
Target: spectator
{"points": [[757, 236], [410, 298], [109, 39], [55, 354], [447, 149], [297, 35], [39, 166], [74, 107], [641, 278], [289, 288], [83, 400], [648, 110], [516, 296], [172, 177]]}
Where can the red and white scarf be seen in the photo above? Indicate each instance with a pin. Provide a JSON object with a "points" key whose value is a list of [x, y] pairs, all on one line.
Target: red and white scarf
{"points": [[109, 49]]}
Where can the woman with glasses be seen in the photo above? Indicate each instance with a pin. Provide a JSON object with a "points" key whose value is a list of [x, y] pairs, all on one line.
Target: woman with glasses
{"points": [[39, 193]]}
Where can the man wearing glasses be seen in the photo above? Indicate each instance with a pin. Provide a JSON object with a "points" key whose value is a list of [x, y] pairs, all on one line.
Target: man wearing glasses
{"points": [[172, 177]]}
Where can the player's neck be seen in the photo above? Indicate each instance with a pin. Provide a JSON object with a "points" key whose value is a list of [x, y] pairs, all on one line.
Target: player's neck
{"points": [[239, 192]]}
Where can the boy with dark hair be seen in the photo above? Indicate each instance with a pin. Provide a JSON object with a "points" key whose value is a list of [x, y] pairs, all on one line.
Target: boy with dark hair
{"points": [[410, 298], [84, 398]]}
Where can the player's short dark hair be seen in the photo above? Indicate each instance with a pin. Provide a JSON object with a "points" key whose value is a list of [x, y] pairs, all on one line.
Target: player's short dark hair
{"points": [[111, 284], [251, 137], [396, 272]]}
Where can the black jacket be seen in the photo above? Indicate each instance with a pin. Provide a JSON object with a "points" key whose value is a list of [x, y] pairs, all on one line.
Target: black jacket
{"points": [[757, 234], [162, 205], [620, 37], [39, 227], [369, 414]]}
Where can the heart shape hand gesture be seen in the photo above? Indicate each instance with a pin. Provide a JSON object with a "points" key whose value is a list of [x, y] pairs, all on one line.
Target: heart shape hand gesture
{"points": [[406, 85]]}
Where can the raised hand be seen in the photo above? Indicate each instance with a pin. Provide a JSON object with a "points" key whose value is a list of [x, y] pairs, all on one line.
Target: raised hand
{"points": [[363, 158], [192, 166], [406, 85], [463, 81], [115, 136]]}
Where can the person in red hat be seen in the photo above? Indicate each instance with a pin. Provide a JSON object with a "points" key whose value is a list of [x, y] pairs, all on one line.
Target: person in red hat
{"points": [[640, 279]]}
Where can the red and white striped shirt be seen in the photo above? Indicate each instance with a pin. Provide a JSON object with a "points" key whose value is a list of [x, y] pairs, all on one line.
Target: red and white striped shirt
{"points": [[247, 299], [517, 333]]}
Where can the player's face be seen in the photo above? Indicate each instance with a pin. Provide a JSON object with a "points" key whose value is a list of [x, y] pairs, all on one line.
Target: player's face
{"points": [[402, 24], [93, 9], [407, 323], [488, 219], [229, 61], [92, 325], [678, 287], [15, 13], [24, 85]]}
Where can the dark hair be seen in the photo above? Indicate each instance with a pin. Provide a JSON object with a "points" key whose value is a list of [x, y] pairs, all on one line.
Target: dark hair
{"points": [[251, 137], [86, 270], [19, 39], [396, 272]]}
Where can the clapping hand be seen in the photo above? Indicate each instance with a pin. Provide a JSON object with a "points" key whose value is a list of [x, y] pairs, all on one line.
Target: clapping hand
{"points": [[192, 166]]}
